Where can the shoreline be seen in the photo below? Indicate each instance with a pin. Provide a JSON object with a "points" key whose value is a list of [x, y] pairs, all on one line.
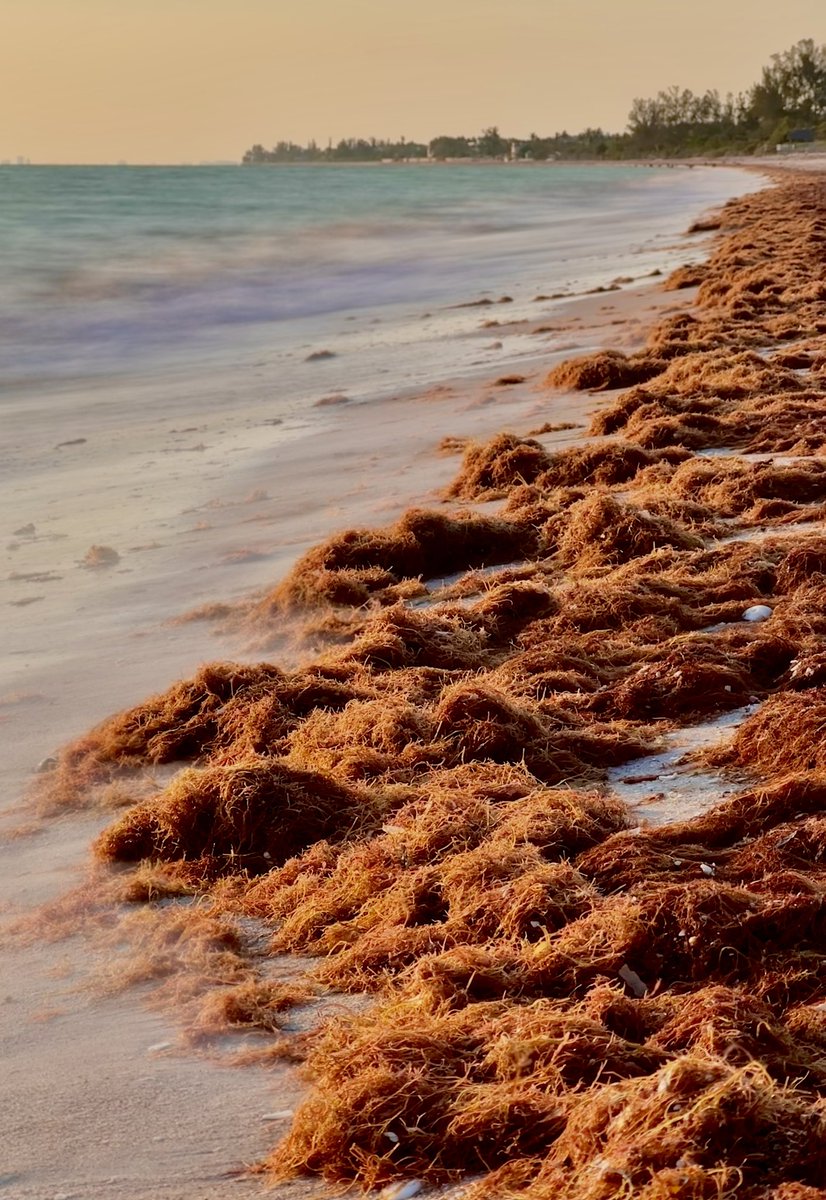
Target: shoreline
{"points": [[724, 160], [448, 403], [177, 435], [522, 404], [245, 311]]}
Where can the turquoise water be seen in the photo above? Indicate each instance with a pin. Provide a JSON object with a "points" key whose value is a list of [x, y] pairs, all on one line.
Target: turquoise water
{"points": [[117, 270]]}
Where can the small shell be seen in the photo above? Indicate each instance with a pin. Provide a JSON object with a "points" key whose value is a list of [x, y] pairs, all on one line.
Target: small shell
{"points": [[757, 612]]}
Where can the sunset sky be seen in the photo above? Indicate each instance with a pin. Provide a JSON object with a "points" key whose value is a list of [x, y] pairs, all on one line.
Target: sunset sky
{"points": [[194, 80]]}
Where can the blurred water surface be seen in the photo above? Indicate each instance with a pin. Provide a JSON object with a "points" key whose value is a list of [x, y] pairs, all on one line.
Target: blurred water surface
{"points": [[116, 269]]}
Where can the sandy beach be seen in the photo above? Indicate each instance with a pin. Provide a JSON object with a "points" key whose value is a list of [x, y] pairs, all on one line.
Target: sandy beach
{"points": [[95, 587], [175, 556]]}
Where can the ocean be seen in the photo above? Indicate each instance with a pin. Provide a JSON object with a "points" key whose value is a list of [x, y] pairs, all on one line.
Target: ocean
{"points": [[134, 274]]}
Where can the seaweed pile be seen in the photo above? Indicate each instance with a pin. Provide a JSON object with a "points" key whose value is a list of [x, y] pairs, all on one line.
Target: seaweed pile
{"points": [[566, 1004]]}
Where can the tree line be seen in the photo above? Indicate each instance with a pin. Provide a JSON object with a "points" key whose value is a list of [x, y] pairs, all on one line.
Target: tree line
{"points": [[788, 103]]}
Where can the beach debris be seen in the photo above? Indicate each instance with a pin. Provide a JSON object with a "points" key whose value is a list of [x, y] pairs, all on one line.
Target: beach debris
{"points": [[757, 612], [158, 1047], [632, 979], [46, 764], [509, 380], [100, 556], [807, 672], [283, 1114], [320, 355], [71, 442]]}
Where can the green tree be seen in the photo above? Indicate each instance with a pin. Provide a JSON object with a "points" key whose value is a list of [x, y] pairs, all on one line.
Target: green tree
{"points": [[492, 145], [793, 85], [451, 147]]}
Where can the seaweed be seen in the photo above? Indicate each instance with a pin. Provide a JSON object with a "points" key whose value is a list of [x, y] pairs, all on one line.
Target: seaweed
{"points": [[247, 815], [565, 1004], [601, 531], [491, 468], [606, 369], [361, 564], [784, 735]]}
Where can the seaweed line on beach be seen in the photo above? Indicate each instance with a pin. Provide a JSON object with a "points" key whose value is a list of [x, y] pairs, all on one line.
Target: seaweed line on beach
{"points": [[566, 1002]]}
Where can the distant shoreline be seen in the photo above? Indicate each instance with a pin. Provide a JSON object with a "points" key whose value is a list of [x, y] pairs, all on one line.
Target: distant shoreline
{"points": [[519, 164]]}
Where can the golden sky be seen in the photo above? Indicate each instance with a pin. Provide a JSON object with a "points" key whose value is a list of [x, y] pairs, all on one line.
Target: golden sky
{"points": [[195, 80]]}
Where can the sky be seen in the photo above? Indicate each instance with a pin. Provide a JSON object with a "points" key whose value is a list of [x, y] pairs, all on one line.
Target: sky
{"points": [[167, 81]]}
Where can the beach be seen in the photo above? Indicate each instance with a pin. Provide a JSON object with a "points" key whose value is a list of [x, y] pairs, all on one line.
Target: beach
{"points": [[384, 461], [95, 630]]}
